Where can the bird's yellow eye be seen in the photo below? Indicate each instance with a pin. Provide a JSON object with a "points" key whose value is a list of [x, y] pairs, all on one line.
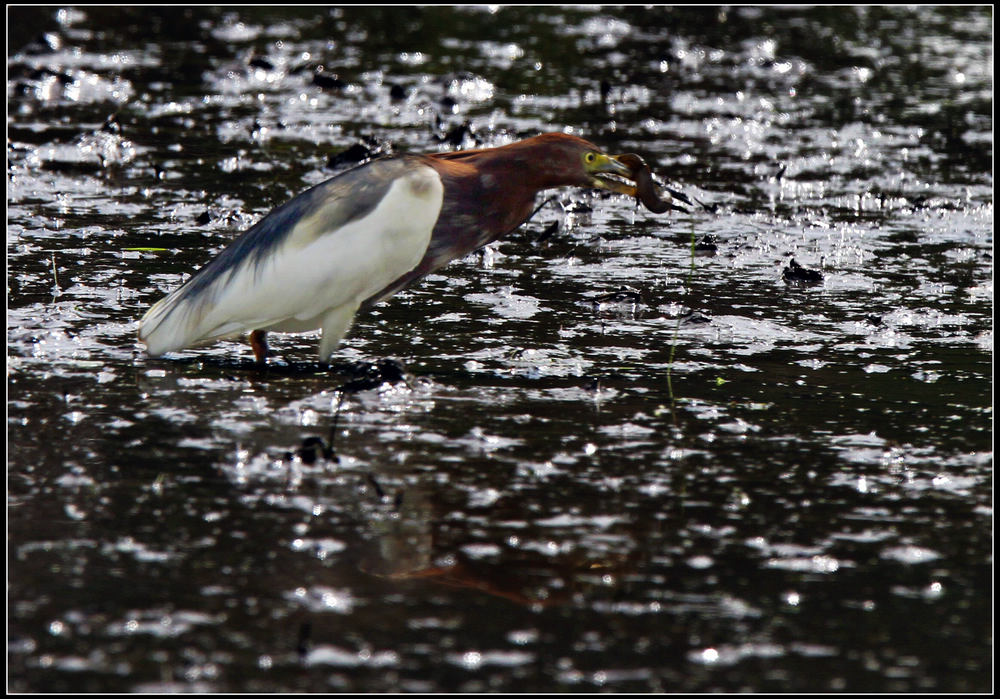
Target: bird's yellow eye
{"points": [[590, 157]]}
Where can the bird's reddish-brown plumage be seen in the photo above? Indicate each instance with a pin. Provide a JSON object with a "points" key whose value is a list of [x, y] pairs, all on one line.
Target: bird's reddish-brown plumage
{"points": [[490, 192]]}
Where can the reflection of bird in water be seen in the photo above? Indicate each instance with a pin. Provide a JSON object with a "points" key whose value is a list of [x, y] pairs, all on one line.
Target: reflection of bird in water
{"points": [[360, 237], [408, 550], [537, 581]]}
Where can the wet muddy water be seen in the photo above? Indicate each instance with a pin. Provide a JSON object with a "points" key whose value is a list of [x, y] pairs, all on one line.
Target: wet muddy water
{"points": [[729, 475]]}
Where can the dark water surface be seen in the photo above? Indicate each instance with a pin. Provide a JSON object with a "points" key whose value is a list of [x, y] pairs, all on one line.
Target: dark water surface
{"points": [[717, 480]]}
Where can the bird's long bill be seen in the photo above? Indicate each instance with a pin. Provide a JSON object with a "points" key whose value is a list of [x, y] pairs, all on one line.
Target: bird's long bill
{"points": [[611, 165]]}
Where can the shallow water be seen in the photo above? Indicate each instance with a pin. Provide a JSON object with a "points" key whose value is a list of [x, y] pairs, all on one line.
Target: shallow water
{"points": [[723, 481]]}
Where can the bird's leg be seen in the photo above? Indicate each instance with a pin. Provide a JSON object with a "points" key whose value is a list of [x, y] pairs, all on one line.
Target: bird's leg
{"points": [[258, 341]]}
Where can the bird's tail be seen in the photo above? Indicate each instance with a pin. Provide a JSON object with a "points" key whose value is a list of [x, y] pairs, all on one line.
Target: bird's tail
{"points": [[171, 324]]}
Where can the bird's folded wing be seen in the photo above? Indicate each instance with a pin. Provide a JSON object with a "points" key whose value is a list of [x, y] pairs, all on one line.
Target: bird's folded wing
{"points": [[335, 244]]}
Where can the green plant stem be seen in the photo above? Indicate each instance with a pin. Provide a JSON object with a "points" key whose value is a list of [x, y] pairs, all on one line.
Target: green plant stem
{"points": [[677, 327]]}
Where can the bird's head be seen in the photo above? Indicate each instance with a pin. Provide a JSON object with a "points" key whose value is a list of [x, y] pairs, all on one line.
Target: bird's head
{"points": [[576, 162], [560, 159], [608, 172], [551, 160]]}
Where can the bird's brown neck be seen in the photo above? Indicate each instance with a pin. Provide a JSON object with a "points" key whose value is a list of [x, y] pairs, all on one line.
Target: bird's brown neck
{"points": [[531, 165], [487, 198]]}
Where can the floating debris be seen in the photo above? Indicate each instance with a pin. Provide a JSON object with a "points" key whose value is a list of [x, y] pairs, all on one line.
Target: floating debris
{"points": [[706, 246], [312, 450], [328, 81], [795, 273], [397, 92], [261, 63], [365, 149], [624, 294], [368, 375]]}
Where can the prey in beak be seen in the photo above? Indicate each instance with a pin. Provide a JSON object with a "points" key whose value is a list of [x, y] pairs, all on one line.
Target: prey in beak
{"points": [[629, 174]]}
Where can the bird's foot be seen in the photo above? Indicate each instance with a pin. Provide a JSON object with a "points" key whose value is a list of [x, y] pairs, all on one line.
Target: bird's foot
{"points": [[258, 342]]}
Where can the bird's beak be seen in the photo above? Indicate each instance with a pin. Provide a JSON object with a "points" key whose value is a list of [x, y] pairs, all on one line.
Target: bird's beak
{"points": [[606, 165]]}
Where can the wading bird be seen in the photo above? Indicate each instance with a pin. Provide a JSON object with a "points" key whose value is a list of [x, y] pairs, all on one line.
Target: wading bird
{"points": [[358, 238]]}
